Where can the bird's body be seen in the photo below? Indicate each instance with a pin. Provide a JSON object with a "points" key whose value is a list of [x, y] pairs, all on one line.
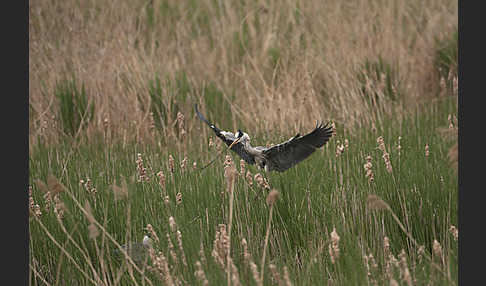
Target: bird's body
{"points": [[279, 157], [137, 251]]}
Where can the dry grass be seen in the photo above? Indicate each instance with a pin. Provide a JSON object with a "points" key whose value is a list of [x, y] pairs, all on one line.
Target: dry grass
{"points": [[283, 62]]}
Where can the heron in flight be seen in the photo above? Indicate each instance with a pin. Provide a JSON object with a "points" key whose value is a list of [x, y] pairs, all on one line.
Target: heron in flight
{"points": [[278, 157]]}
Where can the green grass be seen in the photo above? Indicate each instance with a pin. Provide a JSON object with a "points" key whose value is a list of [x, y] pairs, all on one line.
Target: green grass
{"points": [[446, 58], [75, 110], [321, 193], [379, 79]]}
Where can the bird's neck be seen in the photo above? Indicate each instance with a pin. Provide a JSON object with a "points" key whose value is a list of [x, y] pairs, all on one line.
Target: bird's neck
{"points": [[253, 151]]}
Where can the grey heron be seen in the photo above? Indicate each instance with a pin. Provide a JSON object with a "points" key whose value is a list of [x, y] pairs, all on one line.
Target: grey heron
{"points": [[137, 251], [278, 157]]}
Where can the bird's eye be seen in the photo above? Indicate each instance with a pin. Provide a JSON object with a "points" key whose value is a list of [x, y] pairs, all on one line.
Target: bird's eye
{"points": [[239, 134]]}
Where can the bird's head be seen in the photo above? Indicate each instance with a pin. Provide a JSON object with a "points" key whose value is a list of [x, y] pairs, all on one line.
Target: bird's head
{"points": [[146, 240], [242, 136]]}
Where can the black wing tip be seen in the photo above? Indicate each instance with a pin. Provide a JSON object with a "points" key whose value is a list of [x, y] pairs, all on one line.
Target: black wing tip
{"points": [[325, 132], [204, 119], [328, 129], [321, 127], [196, 108]]}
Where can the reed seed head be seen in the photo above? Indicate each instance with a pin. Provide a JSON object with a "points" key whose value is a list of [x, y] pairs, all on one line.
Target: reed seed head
{"points": [[334, 129], [374, 202], [88, 186], [180, 124], [54, 186], [249, 178], [41, 185], [255, 273], [228, 161], [261, 181], [272, 197], [171, 164], [386, 245], [220, 246], [368, 170], [420, 253], [166, 200], [142, 171], [181, 248], [386, 155], [184, 164], [246, 254], [172, 223], [34, 209], [443, 86], [339, 148], [59, 207], [47, 201], [211, 143], [235, 279], [178, 198], [151, 123], [171, 247], [386, 158], [455, 232], [286, 276], [334, 246], [161, 176], [200, 275], [437, 248], [93, 231], [230, 173], [381, 143], [275, 273], [152, 232], [242, 167], [160, 266], [404, 271]]}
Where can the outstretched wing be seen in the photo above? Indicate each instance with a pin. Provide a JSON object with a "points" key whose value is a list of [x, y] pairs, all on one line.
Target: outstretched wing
{"points": [[298, 148], [228, 138]]}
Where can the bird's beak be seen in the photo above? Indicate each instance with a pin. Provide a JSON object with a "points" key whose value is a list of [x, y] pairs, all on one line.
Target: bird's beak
{"points": [[234, 142]]}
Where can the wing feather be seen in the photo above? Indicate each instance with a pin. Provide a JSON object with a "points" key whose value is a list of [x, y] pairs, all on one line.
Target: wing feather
{"points": [[228, 138], [287, 154]]}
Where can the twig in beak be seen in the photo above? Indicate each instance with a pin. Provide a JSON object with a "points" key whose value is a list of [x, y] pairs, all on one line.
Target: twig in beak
{"points": [[234, 142]]}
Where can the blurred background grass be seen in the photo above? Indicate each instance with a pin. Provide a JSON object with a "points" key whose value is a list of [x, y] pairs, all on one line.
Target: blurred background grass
{"points": [[261, 65]]}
